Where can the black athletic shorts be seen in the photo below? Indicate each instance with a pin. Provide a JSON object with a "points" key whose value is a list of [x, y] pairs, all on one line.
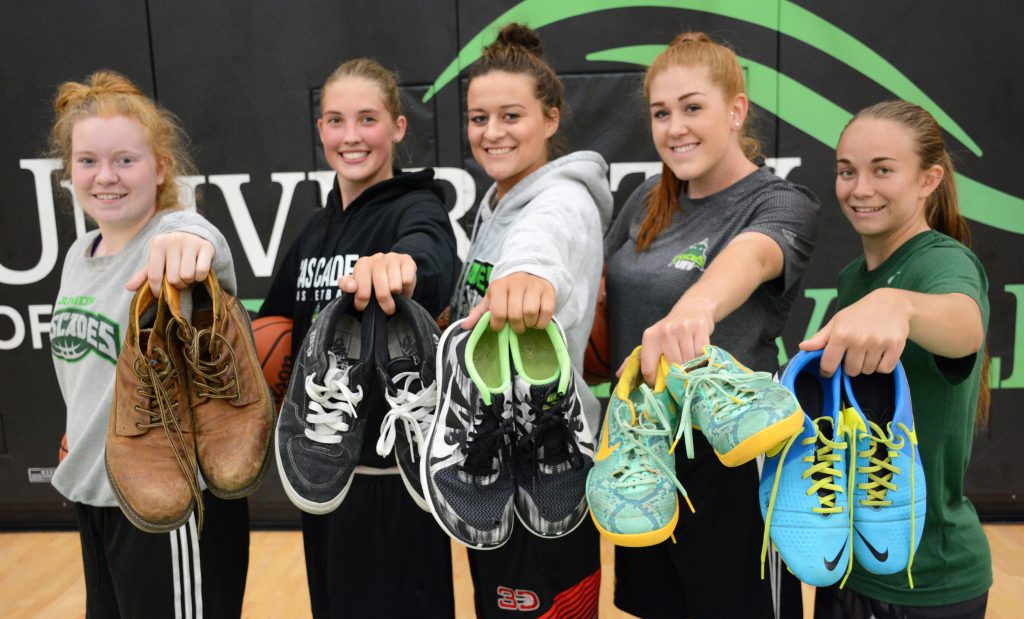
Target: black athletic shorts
{"points": [[531, 577], [836, 603], [713, 570], [378, 555], [130, 573]]}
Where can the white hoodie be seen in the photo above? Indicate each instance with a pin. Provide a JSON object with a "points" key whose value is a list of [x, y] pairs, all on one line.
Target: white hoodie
{"points": [[550, 224]]}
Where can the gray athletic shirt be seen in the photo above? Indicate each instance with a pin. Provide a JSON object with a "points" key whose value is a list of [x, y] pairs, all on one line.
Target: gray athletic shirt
{"points": [[643, 287]]}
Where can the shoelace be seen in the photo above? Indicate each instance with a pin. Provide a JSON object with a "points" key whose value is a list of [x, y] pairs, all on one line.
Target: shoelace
{"points": [[551, 419], [156, 375], [491, 434], [212, 375], [414, 407], [880, 471], [728, 391], [821, 468], [641, 462], [334, 404]]}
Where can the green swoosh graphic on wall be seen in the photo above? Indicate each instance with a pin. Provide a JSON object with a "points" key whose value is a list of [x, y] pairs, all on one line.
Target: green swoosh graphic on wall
{"points": [[785, 17], [787, 98]]}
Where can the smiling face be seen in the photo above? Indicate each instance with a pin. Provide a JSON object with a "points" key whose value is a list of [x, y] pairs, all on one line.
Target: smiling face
{"points": [[508, 129], [879, 182], [696, 129], [114, 173], [358, 134]]}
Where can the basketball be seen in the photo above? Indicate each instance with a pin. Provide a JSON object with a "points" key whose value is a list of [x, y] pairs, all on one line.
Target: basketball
{"points": [[63, 450], [596, 366], [273, 336]]}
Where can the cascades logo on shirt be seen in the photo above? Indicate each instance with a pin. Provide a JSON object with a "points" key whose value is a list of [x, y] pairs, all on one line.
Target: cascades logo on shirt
{"points": [[74, 333], [318, 277], [694, 256]]}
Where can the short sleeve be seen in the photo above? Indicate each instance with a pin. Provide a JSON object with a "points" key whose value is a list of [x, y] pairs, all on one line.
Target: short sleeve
{"points": [[789, 215]]}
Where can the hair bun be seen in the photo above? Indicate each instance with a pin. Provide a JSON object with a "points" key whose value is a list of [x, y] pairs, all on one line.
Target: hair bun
{"points": [[521, 36], [691, 37], [103, 82]]}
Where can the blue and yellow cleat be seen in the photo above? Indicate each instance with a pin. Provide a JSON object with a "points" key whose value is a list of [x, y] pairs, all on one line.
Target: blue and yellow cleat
{"points": [[805, 486], [632, 487], [889, 495]]}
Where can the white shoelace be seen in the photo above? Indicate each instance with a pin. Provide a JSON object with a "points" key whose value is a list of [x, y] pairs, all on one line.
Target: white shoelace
{"points": [[413, 408], [332, 401]]}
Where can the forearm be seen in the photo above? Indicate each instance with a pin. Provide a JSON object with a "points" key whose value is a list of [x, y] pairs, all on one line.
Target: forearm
{"points": [[733, 276], [948, 325]]}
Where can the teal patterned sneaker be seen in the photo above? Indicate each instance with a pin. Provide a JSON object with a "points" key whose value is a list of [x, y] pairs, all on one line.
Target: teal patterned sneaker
{"points": [[741, 412], [805, 485], [632, 487], [889, 497]]}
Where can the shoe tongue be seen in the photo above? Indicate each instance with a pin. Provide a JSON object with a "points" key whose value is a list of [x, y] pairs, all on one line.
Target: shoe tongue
{"points": [[403, 364], [539, 394]]}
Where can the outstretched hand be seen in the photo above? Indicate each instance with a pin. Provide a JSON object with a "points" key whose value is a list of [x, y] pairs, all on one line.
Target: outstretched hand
{"points": [[383, 275], [680, 337], [866, 337], [179, 257], [521, 299]]}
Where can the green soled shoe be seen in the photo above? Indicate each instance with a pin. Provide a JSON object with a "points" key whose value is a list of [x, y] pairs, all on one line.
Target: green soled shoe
{"points": [[741, 412], [632, 487]]}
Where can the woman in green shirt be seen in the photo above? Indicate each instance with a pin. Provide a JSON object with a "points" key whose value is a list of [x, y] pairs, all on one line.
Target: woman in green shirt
{"points": [[895, 184]]}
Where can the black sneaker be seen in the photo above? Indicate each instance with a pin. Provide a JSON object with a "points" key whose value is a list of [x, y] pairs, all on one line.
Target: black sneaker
{"points": [[556, 448], [320, 429], [404, 352], [467, 472]]}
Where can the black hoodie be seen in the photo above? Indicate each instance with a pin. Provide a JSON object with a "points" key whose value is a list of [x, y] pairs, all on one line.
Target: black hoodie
{"points": [[404, 214]]}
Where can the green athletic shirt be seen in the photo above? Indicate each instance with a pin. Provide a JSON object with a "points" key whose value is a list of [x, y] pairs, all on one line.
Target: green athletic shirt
{"points": [[952, 563]]}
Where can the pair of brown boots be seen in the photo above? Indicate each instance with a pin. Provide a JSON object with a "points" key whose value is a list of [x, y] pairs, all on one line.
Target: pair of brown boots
{"points": [[189, 398]]}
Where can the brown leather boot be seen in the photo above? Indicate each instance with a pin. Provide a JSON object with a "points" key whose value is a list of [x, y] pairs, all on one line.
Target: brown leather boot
{"points": [[232, 407], [150, 454]]}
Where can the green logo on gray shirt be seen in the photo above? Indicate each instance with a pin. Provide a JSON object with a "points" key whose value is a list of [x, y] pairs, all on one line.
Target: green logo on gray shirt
{"points": [[694, 256], [74, 333]]}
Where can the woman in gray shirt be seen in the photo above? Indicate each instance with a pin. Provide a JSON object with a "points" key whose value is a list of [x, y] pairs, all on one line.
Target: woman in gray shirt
{"points": [[711, 251]]}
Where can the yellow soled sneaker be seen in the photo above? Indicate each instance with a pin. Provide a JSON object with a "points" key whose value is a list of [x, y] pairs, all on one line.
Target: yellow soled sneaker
{"points": [[741, 412], [632, 487]]}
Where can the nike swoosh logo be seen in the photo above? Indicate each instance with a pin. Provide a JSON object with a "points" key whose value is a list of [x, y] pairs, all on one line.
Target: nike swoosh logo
{"points": [[831, 565], [605, 451], [880, 556]]}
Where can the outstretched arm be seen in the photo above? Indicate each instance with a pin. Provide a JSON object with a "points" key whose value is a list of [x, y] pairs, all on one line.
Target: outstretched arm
{"points": [[872, 333], [749, 260]]}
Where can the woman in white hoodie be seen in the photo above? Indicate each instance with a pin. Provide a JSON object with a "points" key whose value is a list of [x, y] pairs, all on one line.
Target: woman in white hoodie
{"points": [[536, 253]]}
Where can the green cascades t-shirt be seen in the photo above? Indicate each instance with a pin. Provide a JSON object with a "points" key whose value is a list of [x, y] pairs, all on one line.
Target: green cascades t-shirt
{"points": [[953, 562]]}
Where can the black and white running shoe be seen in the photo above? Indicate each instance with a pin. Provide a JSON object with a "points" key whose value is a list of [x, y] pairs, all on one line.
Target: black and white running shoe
{"points": [[555, 450], [322, 422], [467, 472], [405, 356]]}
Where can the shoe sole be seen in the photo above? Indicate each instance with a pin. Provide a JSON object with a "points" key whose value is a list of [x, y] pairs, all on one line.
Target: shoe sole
{"points": [[639, 540], [420, 502], [425, 473], [526, 524], [763, 441]]}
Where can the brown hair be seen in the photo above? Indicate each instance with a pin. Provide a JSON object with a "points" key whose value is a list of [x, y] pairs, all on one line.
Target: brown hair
{"points": [[691, 49], [371, 70], [107, 93], [942, 209], [518, 50]]}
